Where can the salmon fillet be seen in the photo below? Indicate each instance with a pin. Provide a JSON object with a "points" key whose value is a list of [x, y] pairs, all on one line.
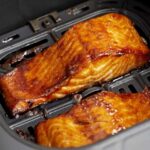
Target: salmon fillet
{"points": [[95, 50], [95, 118]]}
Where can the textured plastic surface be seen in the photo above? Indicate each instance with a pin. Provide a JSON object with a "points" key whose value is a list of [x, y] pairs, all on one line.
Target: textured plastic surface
{"points": [[30, 35]]}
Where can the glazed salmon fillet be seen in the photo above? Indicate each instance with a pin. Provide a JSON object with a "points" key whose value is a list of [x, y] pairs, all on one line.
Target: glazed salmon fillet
{"points": [[92, 51], [95, 118]]}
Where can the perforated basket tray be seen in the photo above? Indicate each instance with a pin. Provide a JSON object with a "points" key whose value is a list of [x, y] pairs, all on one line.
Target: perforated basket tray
{"points": [[46, 30]]}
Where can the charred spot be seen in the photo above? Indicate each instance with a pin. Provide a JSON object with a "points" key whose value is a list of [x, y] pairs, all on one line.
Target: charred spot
{"points": [[75, 64], [30, 103]]}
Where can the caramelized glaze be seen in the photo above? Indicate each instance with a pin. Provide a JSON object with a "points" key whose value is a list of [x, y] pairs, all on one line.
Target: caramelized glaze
{"points": [[95, 118], [95, 50]]}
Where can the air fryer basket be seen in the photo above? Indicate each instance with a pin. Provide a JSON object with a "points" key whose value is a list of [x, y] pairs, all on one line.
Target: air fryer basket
{"points": [[43, 32]]}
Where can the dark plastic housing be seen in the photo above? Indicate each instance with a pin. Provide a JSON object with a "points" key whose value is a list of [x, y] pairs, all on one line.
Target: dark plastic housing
{"points": [[43, 32]]}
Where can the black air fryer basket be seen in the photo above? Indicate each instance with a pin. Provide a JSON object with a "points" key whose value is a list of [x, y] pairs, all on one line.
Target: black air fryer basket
{"points": [[27, 27]]}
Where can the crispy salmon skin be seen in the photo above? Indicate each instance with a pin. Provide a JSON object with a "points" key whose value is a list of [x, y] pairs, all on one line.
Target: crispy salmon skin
{"points": [[96, 50]]}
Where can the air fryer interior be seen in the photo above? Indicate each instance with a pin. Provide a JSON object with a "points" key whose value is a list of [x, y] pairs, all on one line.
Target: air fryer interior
{"points": [[34, 35]]}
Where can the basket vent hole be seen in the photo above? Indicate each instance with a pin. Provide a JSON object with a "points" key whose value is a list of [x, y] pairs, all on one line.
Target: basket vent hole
{"points": [[10, 38], [122, 90], [148, 78], [86, 8], [15, 64], [31, 130], [63, 32], [30, 55], [132, 88]]}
